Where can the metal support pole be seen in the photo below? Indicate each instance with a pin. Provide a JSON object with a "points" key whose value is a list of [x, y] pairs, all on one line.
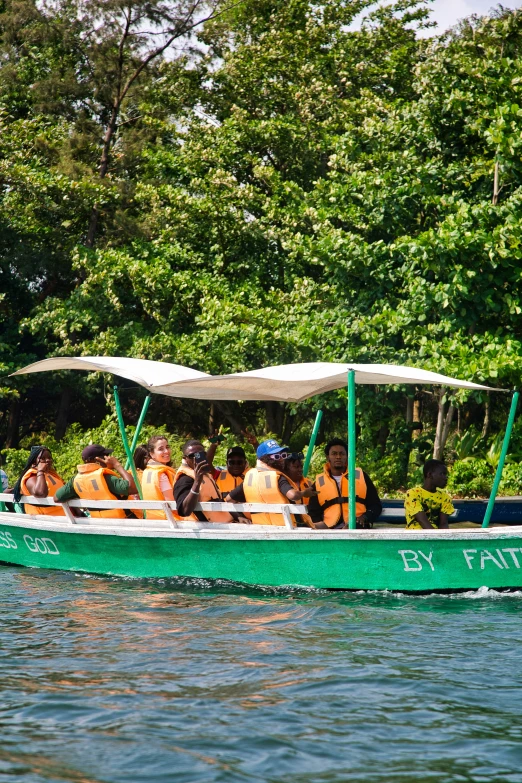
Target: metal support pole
{"points": [[139, 426], [128, 452], [352, 519], [500, 466], [311, 445]]}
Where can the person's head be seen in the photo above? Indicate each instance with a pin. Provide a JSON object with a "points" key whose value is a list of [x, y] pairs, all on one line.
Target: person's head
{"points": [[38, 454], [95, 453], [42, 455], [435, 473], [158, 449], [293, 467], [141, 457], [272, 454], [336, 451], [236, 461], [190, 448]]}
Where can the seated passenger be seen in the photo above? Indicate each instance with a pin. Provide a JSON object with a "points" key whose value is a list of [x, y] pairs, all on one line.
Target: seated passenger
{"points": [[266, 483], [101, 477], [195, 484], [330, 508], [237, 464], [429, 506], [158, 475], [141, 457], [293, 468], [39, 478]]}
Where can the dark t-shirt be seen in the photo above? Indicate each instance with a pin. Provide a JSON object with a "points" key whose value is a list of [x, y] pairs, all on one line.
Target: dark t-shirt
{"points": [[182, 488]]}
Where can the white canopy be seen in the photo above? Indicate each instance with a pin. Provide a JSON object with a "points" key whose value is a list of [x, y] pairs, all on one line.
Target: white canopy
{"points": [[142, 371], [285, 382]]}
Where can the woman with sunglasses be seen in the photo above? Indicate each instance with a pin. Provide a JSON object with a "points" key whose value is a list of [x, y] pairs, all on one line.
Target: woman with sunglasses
{"points": [[267, 483]]}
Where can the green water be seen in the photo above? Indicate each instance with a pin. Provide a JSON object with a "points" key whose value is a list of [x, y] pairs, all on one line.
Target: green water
{"points": [[112, 680]]}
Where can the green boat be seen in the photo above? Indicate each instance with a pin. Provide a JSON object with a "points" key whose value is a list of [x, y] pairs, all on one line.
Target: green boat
{"points": [[381, 559]]}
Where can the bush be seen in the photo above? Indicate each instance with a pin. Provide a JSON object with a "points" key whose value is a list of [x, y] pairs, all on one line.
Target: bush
{"points": [[470, 478]]}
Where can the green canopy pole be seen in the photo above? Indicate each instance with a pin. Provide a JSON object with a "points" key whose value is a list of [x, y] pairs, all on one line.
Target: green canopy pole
{"points": [[352, 519], [500, 466], [126, 443], [311, 445], [139, 425]]}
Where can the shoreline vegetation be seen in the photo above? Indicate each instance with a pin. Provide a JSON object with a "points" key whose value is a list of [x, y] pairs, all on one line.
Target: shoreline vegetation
{"points": [[229, 185]]}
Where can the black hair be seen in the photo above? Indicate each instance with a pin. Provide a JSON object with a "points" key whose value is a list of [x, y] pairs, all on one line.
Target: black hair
{"points": [[431, 465], [141, 456], [335, 442], [190, 443], [236, 450], [35, 454]]}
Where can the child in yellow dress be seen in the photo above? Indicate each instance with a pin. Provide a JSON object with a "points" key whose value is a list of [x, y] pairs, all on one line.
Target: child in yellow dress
{"points": [[429, 506]]}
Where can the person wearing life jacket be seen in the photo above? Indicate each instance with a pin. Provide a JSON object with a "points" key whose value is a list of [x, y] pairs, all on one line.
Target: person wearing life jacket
{"points": [[234, 474], [195, 484], [140, 457], [329, 509], [267, 483], [293, 468], [100, 477], [157, 481], [39, 479]]}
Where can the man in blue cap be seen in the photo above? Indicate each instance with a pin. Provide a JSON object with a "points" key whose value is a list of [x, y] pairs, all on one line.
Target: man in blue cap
{"points": [[266, 483]]}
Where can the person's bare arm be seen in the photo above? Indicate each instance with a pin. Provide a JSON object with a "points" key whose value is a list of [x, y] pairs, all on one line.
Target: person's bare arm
{"points": [[424, 522], [192, 499], [37, 485], [298, 494], [443, 521], [113, 464]]}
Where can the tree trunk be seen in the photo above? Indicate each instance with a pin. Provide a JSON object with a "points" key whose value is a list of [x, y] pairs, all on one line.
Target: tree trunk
{"points": [[274, 417], [12, 440], [409, 410], [102, 171], [487, 417], [416, 418], [444, 419], [232, 415], [63, 413], [382, 438], [496, 189]]}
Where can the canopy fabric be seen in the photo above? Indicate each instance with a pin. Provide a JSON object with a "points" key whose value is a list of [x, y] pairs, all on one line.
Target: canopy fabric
{"points": [[297, 382], [286, 382], [143, 371]]}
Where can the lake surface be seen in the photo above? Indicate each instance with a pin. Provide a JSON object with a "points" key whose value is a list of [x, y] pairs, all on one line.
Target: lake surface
{"points": [[112, 680]]}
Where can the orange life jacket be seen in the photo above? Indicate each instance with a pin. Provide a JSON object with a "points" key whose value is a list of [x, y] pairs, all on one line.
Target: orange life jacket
{"points": [[303, 484], [262, 486], [226, 482], [334, 502], [54, 482], [150, 487], [90, 484], [208, 492]]}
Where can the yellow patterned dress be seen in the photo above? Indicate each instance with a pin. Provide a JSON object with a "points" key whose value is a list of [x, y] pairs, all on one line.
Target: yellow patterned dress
{"points": [[432, 503]]}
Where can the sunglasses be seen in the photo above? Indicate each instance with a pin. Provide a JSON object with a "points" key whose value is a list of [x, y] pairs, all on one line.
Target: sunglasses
{"points": [[282, 455], [236, 461]]}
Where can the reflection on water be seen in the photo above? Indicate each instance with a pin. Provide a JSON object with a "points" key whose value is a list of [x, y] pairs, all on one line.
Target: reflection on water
{"points": [[137, 681]]}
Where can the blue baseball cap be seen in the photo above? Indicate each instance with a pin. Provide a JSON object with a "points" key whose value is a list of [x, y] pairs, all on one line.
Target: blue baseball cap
{"points": [[269, 447]]}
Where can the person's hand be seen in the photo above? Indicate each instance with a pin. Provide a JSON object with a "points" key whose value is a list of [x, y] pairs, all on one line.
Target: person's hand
{"points": [[310, 492], [200, 470], [216, 437], [108, 462], [43, 465], [250, 437]]}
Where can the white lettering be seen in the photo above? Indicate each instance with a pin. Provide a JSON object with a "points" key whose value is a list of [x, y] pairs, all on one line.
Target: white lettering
{"points": [[52, 549], [513, 555], [3, 540], [12, 542], [469, 557], [428, 559], [410, 556], [502, 558], [486, 555], [45, 546]]}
